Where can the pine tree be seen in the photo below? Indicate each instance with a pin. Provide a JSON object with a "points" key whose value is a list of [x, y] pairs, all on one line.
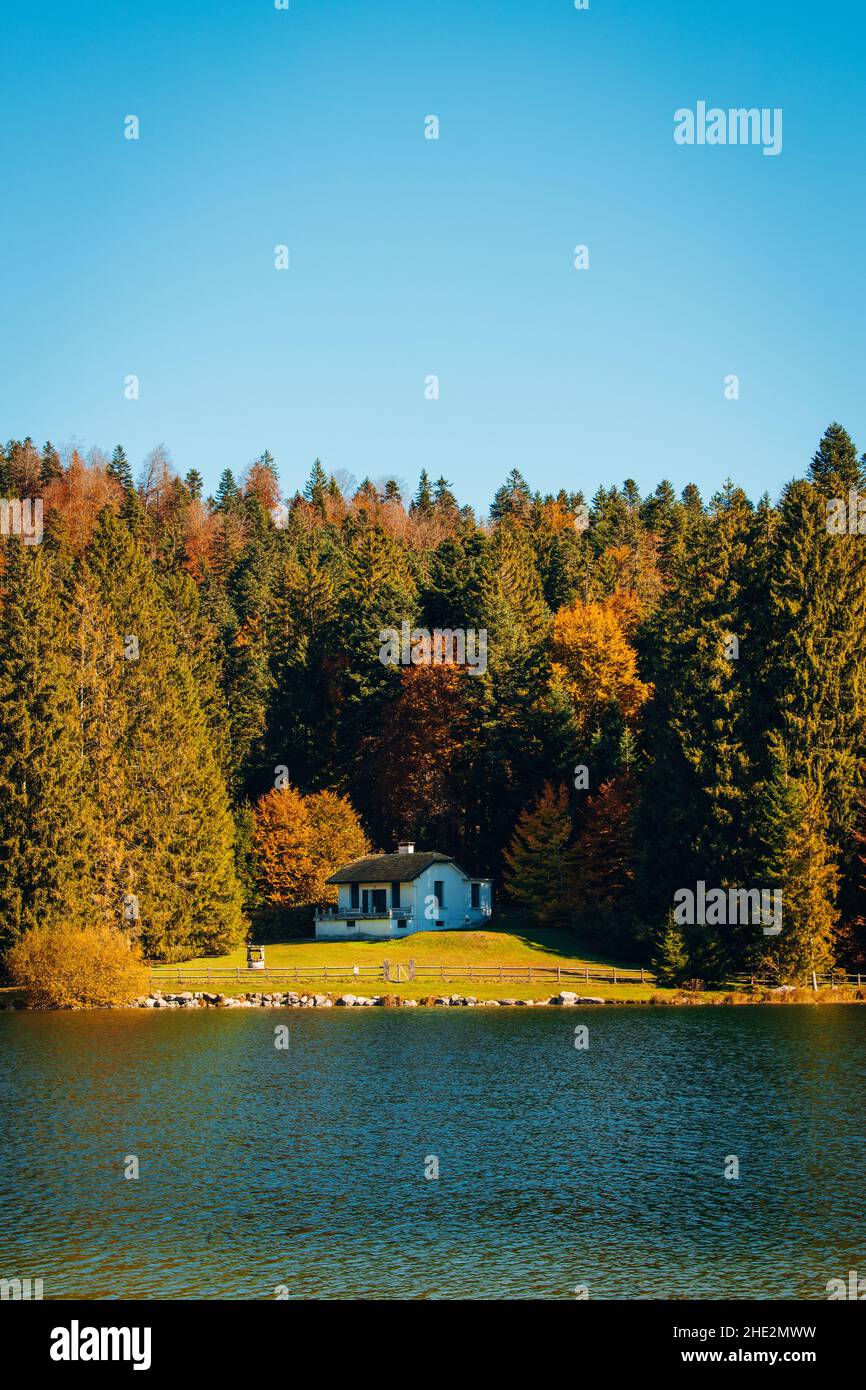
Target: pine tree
{"points": [[797, 858], [445, 501], [835, 466], [537, 859], [700, 653], [815, 673], [671, 961], [603, 859], [120, 470], [178, 836], [423, 500], [195, 483], [512, 499], [41, 791], [51, 466], [228, 492], [317, 485]]}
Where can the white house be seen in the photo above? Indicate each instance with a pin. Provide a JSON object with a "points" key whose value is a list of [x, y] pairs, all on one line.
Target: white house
{"points": [[393, 895]]}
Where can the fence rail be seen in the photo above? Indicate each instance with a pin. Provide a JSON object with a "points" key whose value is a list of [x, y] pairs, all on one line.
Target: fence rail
{"points": [[394, 972], [401, 972]]}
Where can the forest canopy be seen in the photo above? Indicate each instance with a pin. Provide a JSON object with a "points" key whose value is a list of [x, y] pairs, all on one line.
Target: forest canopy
{"points": [[673, 693]]}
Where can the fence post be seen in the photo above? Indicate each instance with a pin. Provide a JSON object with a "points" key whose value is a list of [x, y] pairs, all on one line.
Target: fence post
{"points": [[559, 974], [614, 975], [586, 974], [386, 971], [641, 975], [411, 969]]}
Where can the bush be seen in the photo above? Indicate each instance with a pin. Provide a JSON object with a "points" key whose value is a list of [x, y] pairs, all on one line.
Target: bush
{"points": [[73, 967]]}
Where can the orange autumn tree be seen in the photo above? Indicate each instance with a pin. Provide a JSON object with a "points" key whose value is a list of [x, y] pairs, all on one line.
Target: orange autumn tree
{"points": [[594, 664], [299, 841], [538, 873]]}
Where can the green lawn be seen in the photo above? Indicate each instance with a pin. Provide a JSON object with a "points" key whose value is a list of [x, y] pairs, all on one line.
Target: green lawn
{"points": [[509, 943]]}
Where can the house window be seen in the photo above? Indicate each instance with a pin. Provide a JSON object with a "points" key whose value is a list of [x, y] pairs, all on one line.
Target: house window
{"points": [[401, 923], [439, 893], [353, 899], [476, 896], [395, 895]]}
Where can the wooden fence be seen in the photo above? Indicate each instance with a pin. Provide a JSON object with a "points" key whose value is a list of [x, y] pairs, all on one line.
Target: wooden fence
{"points": [[393, 972], [220, 978]]}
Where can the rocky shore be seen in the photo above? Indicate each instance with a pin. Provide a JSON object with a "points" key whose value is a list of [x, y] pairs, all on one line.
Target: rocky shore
{"points": [[199, 999]]}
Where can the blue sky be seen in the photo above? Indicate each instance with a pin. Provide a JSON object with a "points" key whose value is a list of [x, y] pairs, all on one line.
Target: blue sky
{"points": [[411, 257]]}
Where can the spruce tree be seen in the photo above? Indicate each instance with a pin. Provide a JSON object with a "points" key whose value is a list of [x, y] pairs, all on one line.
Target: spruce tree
{"points": [[423, 500], [317, 485], [42, 794], [228, 492], [178, 835], [120, 470], [537, 860], [671, 960], [797, 859], [195, 483]]}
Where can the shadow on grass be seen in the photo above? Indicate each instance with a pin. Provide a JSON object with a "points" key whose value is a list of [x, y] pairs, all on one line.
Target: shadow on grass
{"points": [[553, 941]]}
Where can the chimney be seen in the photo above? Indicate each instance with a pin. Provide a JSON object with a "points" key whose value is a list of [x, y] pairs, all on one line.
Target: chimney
{"points": [[406, 847]]}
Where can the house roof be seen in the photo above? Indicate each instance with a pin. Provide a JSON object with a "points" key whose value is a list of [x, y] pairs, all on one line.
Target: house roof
{"points": [[388, 868]]}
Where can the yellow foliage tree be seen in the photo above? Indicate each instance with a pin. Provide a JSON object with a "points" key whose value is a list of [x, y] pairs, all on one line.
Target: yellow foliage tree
{"points": [[594, 663], [299, 841], [77, 967]]}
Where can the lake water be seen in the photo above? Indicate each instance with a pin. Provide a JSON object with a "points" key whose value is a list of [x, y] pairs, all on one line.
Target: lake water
{"points": [[305, 1167]]}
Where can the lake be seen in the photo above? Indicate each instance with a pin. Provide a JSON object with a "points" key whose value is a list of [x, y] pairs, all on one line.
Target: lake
{"points": [[304, 1168]]}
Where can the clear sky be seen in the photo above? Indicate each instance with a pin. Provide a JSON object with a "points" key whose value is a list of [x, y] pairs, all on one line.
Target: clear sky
{"points": [[411, 257]]}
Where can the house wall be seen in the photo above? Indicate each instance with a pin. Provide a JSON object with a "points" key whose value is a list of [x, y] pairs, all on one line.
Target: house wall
{"points": [[416, 901]]}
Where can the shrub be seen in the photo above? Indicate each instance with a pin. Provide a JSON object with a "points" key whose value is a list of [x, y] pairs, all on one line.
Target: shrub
{"points": [[72, 967]]}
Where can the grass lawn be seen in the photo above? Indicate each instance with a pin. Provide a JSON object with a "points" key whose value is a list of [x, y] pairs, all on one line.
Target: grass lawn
{"points": [[508, 943]]}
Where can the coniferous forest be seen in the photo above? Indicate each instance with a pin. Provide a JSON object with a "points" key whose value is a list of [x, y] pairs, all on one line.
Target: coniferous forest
{"points": [[196, 726]]}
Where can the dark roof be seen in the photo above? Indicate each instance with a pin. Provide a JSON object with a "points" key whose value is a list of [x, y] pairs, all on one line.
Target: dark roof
{"points": [[388, 868]]}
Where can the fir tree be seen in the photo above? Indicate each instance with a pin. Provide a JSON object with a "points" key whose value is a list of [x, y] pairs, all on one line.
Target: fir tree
{"points": [[41, 789], [317, 485], [512, 499], [422, 503], [178, 836], [797, 858], [120, 470], [228, 492], [835, 466], [671, 960], [537, 859], [195, 483]]}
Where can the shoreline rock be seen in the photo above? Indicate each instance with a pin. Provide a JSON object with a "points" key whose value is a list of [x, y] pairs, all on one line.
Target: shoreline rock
{"points": [[291, 999]]}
